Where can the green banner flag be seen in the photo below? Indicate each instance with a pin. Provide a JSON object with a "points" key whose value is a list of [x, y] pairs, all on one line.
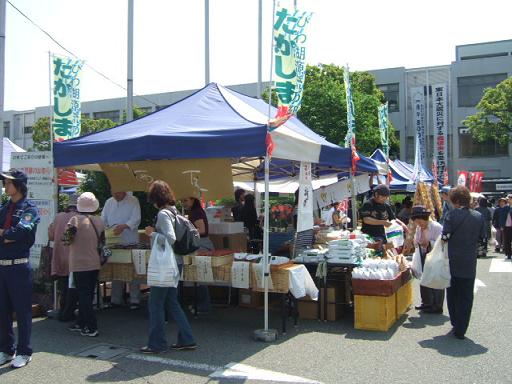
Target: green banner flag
{"points": [[384, 128], [66, 98]]}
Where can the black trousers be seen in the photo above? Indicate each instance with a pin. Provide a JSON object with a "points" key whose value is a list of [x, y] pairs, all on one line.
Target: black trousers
{"points": [[433, 298], [507, 241], [68, 301], [85, 284], [460, 303]]}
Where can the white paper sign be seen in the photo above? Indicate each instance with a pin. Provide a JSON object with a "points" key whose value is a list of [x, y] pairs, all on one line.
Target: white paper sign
{"points": [[305, 214], [325, 196], [38, 166], [257, 269], [139, 261], [204, 268], [240, 274]]}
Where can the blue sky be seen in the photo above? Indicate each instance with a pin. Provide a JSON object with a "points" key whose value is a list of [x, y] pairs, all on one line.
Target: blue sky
{"points": [[169, 40]]}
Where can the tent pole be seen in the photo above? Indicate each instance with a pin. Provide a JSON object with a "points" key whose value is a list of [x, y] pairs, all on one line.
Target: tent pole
{"points": [[266, 334], [354, 201]]}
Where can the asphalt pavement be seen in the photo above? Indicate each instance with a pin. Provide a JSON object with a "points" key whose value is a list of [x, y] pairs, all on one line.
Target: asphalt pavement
{"points": [[417, 349]]}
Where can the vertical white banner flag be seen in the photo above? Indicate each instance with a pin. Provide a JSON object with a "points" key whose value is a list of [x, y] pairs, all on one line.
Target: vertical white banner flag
{"points": [[418, 115], [440, 119], [305, 214]]}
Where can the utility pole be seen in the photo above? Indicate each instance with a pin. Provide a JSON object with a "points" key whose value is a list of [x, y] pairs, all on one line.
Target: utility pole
{"points": [[206, 42], [2, 77], [260, 48], [129, 107]]}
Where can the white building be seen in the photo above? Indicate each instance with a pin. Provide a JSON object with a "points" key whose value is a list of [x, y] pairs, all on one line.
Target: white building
{"points": [[476, 67]]}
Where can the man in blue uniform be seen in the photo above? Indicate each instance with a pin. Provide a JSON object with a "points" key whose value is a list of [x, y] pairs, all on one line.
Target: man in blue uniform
{"points": [[18, 224]]}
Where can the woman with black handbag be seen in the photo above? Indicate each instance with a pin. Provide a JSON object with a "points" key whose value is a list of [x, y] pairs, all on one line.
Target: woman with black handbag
{"points": [[84, 236]]}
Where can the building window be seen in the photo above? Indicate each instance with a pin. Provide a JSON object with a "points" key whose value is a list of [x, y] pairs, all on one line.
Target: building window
{"points": [[410, 147], [112, 115], [468, 147], [391, 94], [146, 110], [27, 130], [471, 88], [7, 129], [85, 115]]}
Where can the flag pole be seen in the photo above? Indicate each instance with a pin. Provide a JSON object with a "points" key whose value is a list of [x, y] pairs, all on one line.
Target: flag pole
{"points": [[267, 334]]}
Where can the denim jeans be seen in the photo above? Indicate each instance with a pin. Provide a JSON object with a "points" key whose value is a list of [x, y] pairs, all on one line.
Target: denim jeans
{"points": [[163, 299], [85, 284]]}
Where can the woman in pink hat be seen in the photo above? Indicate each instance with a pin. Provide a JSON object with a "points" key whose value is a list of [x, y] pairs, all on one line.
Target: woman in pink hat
{"points": [[83, 234]]}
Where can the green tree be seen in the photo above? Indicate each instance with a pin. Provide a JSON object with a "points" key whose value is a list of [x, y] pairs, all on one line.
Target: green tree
{"points": [[493, 121], [41, 130], [324, 107]]}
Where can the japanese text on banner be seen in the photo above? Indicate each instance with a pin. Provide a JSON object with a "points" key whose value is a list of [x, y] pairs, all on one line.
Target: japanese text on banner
{"points": [[66, 98], [383, 128], [418, 105], [289, 61], [440, 118]]}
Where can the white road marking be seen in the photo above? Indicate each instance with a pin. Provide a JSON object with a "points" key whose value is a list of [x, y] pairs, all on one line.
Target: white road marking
{"points": [[500, 265], [478, 284], [229, 371], [246, 372], [175, 363]]}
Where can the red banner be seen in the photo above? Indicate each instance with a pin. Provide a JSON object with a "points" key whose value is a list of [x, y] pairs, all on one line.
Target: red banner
{"points": [[475, 183], [67, 178]]}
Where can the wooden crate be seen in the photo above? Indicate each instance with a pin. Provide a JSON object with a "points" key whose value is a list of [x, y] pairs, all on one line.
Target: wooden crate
{"points": [[403, 299], [374, 313]]}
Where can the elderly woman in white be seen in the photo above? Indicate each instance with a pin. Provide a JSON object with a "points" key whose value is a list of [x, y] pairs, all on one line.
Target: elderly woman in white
{"points": [[427, 232]]}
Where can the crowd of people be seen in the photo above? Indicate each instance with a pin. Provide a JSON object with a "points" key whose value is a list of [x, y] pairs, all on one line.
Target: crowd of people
{"points": [[79, 232]]}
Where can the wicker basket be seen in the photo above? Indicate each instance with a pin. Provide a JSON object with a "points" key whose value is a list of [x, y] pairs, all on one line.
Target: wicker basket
{"points": [[189, 273], [218, 260], [280, 280], [125, 272], [222, 273], [106, 272]]}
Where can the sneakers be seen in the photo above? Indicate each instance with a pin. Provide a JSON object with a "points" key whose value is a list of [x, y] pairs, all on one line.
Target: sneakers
{"points": [[181, 347], [134, 307], [87, 332], [20, 361], [75, 328], [5, 358], [149, 350]]}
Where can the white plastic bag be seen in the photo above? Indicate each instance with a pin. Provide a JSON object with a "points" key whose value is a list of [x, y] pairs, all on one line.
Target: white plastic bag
{"points": [[162, 267], [416, 268], [436, 272]]}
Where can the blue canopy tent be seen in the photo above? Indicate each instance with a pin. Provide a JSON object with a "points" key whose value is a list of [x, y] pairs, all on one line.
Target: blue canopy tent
{"points": [[208, 139]]}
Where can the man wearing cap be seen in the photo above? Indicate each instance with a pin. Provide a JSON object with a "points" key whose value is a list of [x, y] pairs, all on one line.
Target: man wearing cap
{"points": [[122, 212], [60, 261], [18, 224], [447, 204], [377, 214]]}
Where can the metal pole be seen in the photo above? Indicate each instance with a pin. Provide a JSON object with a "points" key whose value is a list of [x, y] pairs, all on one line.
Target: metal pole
{"points": [[267, 334], [206, 42], [260, 48], [129, 107], [2, 77]]}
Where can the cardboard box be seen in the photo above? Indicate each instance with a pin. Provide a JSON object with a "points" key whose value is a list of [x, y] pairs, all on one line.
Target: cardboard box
{"points": [[225, 228], [249, 299], [308, 309], [235, 242]]}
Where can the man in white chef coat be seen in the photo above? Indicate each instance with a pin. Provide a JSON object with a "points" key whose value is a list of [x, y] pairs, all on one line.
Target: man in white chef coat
{"points": [[122, 213]]}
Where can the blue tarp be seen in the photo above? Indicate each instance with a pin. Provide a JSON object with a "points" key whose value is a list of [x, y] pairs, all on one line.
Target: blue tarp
{"points": [[203, 125]]}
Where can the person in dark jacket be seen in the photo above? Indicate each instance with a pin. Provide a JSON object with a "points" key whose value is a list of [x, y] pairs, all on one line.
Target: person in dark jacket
{"points": [[236, 211], [505, 223], [487, 216], [18, 225], [462, 229], [502, 202]]}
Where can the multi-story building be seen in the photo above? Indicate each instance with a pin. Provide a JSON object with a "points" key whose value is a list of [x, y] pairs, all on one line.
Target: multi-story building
{"points": [[476, 67]]}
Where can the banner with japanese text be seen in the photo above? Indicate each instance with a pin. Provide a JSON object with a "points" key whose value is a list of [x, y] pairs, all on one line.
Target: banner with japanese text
{"points": [[66, 98], [383, 128], [305, 208], [38, 166], [418, 115], [325, 196], [289, 61], [440, 119], [350, 137]]}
